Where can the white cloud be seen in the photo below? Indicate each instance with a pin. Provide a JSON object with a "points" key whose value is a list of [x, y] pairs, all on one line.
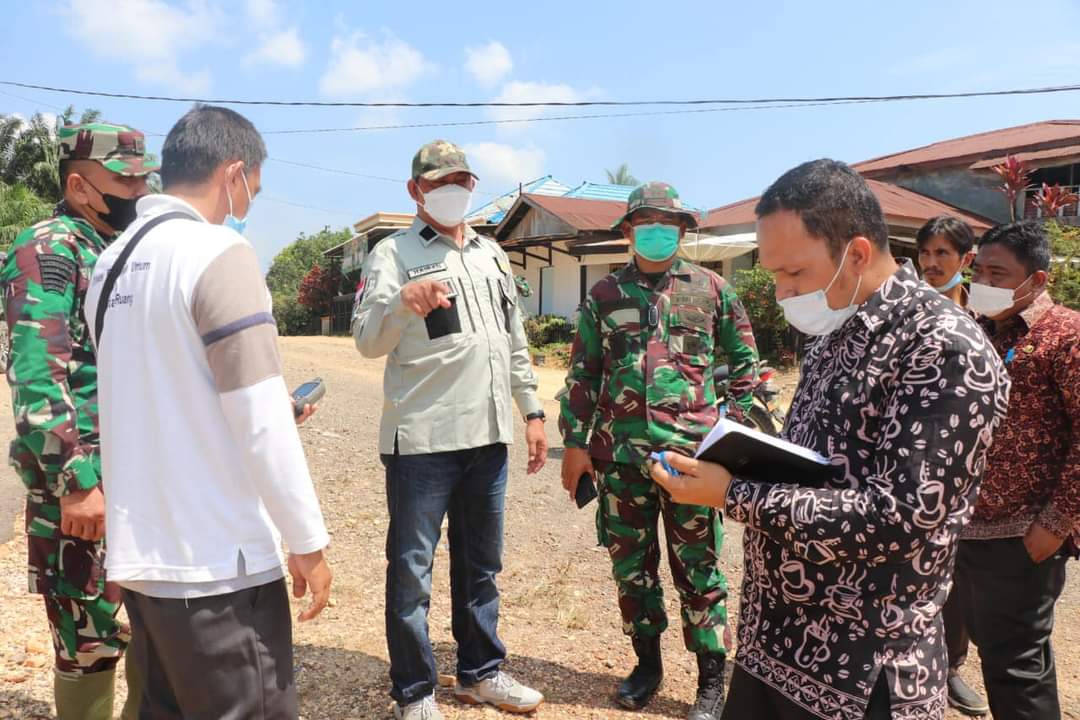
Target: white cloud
{"points": [[263, 13], [150, 36], [281, 47], [359, 64], [489, 63], [519, 92], [166, 73], [503, 166]]}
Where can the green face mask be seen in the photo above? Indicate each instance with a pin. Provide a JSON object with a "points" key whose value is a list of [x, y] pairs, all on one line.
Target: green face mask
{"points": [[656, 242]]}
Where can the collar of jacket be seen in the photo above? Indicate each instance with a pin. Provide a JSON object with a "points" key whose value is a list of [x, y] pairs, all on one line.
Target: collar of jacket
{"points": [[630, 272], [428, 234]]}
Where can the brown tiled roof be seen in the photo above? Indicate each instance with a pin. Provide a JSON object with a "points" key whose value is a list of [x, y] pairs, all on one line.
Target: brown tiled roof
{"points": [[579, 213], [901, 207], [982, 146]]}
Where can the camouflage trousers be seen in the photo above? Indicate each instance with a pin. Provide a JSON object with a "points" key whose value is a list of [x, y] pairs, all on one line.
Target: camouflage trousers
{"points": [[87, 636], [70, 575], [627, 524]]}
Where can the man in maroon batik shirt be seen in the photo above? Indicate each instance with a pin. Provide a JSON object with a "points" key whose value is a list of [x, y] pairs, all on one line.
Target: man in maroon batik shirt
{"points": [[1025, 525]]}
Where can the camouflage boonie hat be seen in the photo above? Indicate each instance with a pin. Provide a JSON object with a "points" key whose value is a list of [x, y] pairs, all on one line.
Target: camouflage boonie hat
{"points": [[657, 196], [438, 159], [119, 148]]}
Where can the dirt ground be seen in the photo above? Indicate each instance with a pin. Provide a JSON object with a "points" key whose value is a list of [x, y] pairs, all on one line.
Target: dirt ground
{"points": [[559, 618]]}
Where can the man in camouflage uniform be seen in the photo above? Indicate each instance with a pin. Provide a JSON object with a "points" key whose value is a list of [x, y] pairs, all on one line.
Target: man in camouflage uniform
{"points": [[640, 380], [53, 381]]}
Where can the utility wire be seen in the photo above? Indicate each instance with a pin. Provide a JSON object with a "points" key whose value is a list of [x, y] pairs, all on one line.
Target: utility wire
{"points": [[282, 201], [512, 121], [553, 103], [340, 171]]}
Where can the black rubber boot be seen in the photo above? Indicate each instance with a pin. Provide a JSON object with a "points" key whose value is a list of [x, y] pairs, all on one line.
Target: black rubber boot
{"points": [[710, 687], [638, 688]]}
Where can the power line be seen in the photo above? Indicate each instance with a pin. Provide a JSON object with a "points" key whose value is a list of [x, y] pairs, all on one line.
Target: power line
{"points": [[339, 171], [282, 201], [595, 116], [554, 103], [351, 173]]}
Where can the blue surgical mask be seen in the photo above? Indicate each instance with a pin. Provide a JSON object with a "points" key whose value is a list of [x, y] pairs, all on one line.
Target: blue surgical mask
{"points": [[956, 280], [656, 242], [238, 224]]}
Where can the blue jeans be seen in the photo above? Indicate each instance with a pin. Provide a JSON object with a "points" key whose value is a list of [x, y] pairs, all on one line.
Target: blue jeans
{"points": [[470, 486]]}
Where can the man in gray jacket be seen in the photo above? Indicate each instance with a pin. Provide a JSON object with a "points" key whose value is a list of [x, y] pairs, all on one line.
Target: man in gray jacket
{"points": [[441, 302]]}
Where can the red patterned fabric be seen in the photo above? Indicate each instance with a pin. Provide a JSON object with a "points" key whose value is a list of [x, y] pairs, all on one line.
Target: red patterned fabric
{"points": [[1033, 469]]}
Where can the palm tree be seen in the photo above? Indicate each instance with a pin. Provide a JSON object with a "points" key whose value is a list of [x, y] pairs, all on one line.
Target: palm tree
{"points": [[622, 176], [28, 152], [19, 208]]}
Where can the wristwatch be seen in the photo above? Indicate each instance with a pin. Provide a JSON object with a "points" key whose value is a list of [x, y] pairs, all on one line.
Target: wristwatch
{"points": [[538, 415]]}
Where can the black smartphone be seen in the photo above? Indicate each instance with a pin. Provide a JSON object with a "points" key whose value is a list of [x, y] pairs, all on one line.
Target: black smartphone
{"points": [[307, 394], [586, 490]]}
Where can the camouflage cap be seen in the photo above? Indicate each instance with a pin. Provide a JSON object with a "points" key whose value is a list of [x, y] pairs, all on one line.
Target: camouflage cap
{"points": [[438, 159], [119, 148], [657, 196]]}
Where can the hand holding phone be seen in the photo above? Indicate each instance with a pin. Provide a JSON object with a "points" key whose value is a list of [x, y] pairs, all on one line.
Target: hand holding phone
{"points": [[586, 490], [307, 394]]}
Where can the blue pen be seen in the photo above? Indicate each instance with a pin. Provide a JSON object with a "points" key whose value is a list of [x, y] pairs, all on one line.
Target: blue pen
{"points": [[661, 458]]}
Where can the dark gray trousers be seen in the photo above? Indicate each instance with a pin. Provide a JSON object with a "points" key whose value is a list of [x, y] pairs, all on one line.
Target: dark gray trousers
{"points": [[1011, 618], [224, 657]]}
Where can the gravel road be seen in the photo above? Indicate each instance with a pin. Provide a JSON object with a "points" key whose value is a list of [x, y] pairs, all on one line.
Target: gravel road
{"points": [[559, 618]]}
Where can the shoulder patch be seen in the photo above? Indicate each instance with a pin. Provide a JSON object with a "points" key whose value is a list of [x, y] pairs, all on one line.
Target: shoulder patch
{"points": [[421, 270], [56, 272]]}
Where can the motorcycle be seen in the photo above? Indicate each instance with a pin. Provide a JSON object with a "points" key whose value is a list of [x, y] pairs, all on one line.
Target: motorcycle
{"points": [[765, 413]]}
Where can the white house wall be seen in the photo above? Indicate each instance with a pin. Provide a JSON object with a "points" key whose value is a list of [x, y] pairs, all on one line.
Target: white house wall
{"points": [[567, 282]]}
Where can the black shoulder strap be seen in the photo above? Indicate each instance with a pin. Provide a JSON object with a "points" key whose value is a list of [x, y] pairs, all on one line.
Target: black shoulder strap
{"points": [[118, 267]]}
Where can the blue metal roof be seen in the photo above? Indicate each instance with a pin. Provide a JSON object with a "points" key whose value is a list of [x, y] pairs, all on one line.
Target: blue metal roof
{"points": [[494, 211], [600, 191], [603, 191]]}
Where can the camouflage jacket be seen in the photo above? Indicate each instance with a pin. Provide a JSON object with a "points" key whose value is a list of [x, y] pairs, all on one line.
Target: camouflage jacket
{"points": [[51, 370], [641, 366]]}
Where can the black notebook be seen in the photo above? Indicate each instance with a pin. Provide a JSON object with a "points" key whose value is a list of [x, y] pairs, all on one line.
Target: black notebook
{"points": [[753, 455]]}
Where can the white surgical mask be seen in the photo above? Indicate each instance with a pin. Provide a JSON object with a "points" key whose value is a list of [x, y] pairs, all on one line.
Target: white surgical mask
{"points": [[448, 204], [992, 301], [810, 313]]}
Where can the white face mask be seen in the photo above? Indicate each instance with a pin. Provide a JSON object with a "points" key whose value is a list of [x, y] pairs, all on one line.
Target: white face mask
{"points": [[810, 313], [992, 301], [448, 204]]}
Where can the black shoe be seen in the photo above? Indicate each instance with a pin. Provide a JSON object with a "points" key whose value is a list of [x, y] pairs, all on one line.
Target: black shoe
{"points": [[710, 687], [964, 699], [638, 688]]}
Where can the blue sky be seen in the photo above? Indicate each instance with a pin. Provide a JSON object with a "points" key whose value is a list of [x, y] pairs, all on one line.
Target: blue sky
{"points": [[476, 50]]}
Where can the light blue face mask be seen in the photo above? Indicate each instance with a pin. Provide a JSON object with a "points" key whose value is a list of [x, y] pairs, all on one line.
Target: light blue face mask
{"points": [[238, 224], [656, 242], [956, 280]]}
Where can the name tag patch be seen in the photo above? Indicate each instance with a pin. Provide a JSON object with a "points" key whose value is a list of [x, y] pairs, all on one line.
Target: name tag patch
{"points": [[421, 270]]}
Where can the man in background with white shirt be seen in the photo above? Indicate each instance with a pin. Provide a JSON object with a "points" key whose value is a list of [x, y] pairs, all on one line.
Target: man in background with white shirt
{"points": [[204, 463]]}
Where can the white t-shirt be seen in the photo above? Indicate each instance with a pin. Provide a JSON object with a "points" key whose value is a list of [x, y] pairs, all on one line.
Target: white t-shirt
{"points": [[202, 464]]}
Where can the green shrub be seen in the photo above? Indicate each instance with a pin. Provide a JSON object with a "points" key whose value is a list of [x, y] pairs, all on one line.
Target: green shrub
{"points": [[292, 317], [548, 329], [1065, 266], [757, 291]]}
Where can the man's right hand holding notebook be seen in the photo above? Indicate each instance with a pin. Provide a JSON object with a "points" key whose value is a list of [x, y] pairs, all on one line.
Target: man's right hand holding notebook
{"points": [[697, 483]]}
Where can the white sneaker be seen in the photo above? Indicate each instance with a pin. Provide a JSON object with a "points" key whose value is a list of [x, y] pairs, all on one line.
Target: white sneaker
{"points": [[423, 709], [502, 691]]}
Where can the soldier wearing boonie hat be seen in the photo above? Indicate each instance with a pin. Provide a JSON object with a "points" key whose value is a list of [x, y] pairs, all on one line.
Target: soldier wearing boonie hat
{"points": [[103, 170], [641, 380], [441, 302]]}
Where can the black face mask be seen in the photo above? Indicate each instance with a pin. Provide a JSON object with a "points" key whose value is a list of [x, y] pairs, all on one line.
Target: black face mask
{"points": [[121, 210]]}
